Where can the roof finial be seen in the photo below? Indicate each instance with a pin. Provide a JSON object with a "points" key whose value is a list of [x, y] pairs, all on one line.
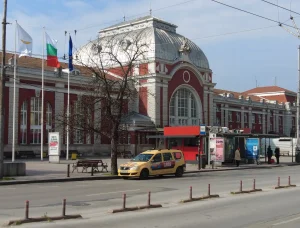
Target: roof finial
{"points": [[150, 9], [124, 18]]}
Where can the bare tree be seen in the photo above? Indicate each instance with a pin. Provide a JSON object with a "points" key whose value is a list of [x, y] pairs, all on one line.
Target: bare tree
{"points": [[110, 63]]}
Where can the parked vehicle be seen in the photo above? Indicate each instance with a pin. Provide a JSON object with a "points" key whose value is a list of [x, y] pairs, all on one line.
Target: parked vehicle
{"points": [[154, 163], [287, 145]]}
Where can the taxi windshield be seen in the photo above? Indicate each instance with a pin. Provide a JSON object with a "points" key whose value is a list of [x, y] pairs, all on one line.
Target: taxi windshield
{"points": [[142, 157]]}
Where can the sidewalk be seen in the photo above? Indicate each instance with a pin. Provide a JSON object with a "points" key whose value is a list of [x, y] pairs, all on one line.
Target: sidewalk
{"points": [[43, 171]]}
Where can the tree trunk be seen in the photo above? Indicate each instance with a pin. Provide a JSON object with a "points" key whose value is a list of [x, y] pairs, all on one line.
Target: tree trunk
{"points": [[114, 153]]}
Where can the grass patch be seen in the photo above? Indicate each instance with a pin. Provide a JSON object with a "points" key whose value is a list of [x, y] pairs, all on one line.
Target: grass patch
{"points": [[7, 179]]}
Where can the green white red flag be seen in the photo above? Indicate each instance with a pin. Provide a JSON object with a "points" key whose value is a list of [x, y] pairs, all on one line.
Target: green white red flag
{"points": [[52, 59]]}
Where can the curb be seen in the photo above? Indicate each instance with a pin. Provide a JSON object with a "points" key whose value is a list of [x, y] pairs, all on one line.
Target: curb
{"points": [[285, 186], [42, 219], [67, 179], [136, 208], [70, 179], [199, 198]]}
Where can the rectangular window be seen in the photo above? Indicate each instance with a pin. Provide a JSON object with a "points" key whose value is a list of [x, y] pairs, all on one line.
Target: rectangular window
{"points": [[230, 116], [253, 118], [259, 119], [35, 119], [245, 118], [279, 120], [238, 117], [167, 157], [177, 155]]}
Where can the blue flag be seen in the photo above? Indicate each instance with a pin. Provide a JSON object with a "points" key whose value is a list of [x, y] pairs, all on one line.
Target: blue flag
{"points": [[70, 55]]}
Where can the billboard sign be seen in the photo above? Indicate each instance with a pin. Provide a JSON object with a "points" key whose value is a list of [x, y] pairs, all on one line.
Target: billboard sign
{"points": [[202, 129], [252, 148], [216, 147], [53, 143]]}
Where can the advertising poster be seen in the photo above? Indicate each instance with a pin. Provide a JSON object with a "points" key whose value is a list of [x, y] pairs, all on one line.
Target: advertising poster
{"points": [[54, 144], [220, 149], [252, 148], [216, 147]]}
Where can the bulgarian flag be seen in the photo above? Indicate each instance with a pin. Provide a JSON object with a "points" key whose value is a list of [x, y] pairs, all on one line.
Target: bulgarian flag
{"points": [[52, 60]]}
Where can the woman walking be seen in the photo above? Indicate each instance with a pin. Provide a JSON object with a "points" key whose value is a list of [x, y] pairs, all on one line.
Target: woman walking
{"points": [[237, 157]]}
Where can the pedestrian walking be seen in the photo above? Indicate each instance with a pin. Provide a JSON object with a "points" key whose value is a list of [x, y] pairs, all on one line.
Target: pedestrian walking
{"points": [[277, 154], [237, 157], [270, 154]]}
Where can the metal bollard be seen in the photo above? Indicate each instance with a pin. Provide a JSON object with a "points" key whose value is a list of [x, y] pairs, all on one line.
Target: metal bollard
{"points": [[208, 193], [191, 192], [254, 187], [64, 207], [27, 209], [289, 184], [68, 171], [124, 201], [149, 197], [92, 172], [278, 182], [241, 186]]}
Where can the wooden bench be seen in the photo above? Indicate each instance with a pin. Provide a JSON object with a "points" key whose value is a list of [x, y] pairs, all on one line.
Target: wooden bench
{"points": [[93, 164], [26, 154]]}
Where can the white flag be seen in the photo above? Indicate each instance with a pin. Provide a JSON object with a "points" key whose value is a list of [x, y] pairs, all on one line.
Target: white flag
{"points": [[24, 41]]}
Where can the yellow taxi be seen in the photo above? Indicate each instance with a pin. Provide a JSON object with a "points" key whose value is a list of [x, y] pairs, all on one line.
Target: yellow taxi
{"points": [[154, 163]]}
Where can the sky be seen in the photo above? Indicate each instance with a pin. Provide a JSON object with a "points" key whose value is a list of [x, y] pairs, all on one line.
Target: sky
{"points": [[243, 50]]}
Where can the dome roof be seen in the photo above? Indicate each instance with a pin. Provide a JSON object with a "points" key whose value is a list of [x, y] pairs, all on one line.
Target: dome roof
{"points": [[163, 41]]}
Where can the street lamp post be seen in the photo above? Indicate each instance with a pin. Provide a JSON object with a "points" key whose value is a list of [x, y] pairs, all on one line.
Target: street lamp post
{"points": [[2, 86]]}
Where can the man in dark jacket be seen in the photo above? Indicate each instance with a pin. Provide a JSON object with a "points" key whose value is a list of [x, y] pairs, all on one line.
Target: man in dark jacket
{"points": [[270, 154], [277, 154]]}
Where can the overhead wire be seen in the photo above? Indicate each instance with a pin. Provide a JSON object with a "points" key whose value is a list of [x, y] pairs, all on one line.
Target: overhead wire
{"points": [[281, 6], [254, 14]]}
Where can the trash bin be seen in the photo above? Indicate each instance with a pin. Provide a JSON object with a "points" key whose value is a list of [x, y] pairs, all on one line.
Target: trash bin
{"points": [[297, 156], [74, 156], [204, 160], [44, 154]]}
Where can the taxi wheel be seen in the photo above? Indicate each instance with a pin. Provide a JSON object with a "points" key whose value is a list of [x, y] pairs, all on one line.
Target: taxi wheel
{"points": [[179, 172], [144, 174]]}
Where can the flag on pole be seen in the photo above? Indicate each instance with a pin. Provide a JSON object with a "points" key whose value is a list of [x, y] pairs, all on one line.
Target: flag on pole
{"points": [[24, 41], [70, 55], [52, 59]]}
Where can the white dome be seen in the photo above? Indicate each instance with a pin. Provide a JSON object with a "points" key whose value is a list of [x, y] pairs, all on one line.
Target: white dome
{"points": [[163, 43]]}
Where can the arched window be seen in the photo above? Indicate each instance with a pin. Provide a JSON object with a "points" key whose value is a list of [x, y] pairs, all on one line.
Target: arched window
{"points": [[23, 123], [184, 109], [35, 120]]}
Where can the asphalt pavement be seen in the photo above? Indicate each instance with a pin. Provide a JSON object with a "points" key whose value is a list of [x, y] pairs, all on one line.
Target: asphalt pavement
{"points": [[95, 199]]}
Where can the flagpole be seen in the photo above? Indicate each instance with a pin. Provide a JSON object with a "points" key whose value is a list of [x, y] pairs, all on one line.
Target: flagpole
{"points": [[68, 114], [42, 112], [14, 99]]}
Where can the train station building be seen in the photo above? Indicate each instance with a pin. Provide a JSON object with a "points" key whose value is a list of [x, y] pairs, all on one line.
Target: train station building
{"points": [[176, 88]]}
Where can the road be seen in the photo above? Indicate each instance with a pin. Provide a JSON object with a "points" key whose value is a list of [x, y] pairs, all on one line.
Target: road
{"points": [[94, 199]]}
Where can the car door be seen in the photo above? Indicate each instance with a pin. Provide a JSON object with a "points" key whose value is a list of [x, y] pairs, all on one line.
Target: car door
{"points": [[156, 167], [168, 163]]}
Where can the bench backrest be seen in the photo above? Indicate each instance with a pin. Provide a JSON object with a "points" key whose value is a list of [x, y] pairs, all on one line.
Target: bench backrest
{"points": [[89, 162]]}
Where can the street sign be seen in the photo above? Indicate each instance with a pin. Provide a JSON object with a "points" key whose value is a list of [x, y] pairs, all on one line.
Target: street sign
{"points": [[202, 129]]}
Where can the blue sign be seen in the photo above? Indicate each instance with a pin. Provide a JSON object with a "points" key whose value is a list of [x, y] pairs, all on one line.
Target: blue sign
{"points": [[252, 148], [202, 129]]}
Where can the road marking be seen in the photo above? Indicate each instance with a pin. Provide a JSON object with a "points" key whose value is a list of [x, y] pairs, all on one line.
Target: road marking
{"points": [[48, 186], [104, 193], [8, 188], [287, 221]]}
